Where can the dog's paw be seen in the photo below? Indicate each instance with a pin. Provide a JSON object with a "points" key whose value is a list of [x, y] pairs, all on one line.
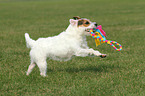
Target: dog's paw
{"points": [[43, 75], [103, 55], [96, 53]]}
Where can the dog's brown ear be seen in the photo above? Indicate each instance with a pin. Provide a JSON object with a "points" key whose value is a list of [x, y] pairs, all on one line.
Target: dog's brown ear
{"points": [[76, 17]]}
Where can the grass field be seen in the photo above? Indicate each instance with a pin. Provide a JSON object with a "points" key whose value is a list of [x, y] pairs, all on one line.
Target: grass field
{"points": [[120, 74]]}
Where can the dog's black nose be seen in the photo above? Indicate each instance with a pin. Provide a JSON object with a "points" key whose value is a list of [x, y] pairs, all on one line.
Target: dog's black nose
{"points": [[96, 25]]}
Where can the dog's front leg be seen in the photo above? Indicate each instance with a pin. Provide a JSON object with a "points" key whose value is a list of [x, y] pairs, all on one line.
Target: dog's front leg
{"points": [[86, 52]]}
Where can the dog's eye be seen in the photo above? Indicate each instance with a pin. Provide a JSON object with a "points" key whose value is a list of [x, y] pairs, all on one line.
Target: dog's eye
{"points": [[87, 22]]}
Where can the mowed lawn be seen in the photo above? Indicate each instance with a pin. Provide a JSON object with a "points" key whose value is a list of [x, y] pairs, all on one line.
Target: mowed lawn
{"points": [[119, 74]]}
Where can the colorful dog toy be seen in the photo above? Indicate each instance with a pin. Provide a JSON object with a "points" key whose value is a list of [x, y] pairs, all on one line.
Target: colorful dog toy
{"points": [[100, 35]]}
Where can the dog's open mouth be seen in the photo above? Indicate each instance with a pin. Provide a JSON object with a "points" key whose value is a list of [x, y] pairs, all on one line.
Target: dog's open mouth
{"points": [[88, 30]]}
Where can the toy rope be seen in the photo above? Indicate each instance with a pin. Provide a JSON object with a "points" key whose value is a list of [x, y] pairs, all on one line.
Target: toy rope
{"points": [[106, 41]]}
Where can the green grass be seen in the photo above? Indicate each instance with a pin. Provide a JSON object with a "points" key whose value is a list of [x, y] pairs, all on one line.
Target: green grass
{"points": [[120, 74]]}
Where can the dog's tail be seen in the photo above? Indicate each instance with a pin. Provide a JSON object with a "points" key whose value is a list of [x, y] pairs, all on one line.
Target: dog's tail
{"points": [[29, 42]]}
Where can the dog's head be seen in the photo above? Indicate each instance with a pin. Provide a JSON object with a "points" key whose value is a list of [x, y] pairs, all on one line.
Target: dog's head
{"points": [[82, 25]]}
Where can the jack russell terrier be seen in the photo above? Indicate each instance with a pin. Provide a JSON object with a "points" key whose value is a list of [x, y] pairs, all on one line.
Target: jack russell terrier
{"points": [[71, 42]]}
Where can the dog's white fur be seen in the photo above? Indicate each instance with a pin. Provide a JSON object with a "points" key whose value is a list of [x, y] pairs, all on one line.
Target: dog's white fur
{"points": [[61, 47]]}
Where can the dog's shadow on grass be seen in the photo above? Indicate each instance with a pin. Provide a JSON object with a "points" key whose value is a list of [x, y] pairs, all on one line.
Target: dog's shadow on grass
{"points": [[92, 68]]}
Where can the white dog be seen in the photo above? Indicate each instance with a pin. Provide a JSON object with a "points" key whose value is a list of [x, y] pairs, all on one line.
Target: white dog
{"points": [[63, 46]]}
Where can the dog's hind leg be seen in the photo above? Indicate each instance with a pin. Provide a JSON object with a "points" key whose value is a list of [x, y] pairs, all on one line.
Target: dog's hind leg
{"points": [[42, 67], [31, 66]]}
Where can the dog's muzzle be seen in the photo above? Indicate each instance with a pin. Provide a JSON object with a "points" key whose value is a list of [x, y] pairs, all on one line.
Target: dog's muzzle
{"points": [[88, 30], [94, 29]]}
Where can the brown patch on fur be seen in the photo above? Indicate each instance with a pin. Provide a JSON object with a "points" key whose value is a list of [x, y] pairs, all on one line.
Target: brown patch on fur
{"points": [[84, 23]]}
